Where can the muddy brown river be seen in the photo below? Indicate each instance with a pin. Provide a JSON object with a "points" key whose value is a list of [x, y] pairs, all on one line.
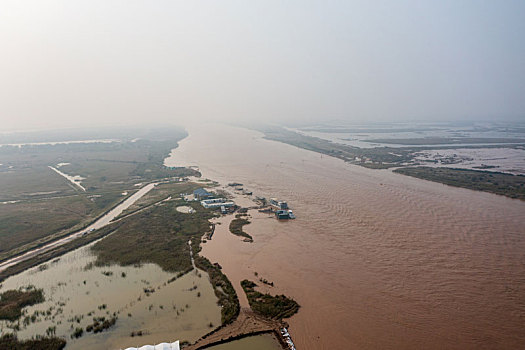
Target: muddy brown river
{"points": [[377, 260]]}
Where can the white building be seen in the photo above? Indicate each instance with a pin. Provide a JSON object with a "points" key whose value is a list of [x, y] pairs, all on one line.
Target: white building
{"points": [[217, 203]]}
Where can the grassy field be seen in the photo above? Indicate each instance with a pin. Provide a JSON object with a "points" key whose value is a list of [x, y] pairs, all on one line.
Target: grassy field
{"points": [[32, 183], [236, 226], [39, 204], [12, 302], [161, 228], [161, 192], [11, 342], [277, 307], [159, 235], [509, 185], [23, 222]]}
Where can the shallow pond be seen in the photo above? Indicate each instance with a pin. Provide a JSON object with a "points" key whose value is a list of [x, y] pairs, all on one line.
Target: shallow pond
{"points": [[185, 209], [141, 297]]}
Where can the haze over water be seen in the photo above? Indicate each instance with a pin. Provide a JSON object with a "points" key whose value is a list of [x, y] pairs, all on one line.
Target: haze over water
{"points": [[377, 260]]}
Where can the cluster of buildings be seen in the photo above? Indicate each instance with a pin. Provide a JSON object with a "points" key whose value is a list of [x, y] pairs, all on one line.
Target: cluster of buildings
{"points": [[283, 211], [209, 201], [217, 203], [201, 193], [279, 204]]}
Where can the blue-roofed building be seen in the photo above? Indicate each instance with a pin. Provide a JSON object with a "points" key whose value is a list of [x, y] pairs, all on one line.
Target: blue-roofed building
{"points": [[201, 193]]}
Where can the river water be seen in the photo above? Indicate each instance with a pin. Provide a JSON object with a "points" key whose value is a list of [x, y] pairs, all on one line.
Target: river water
{"points": [[376, 260]]}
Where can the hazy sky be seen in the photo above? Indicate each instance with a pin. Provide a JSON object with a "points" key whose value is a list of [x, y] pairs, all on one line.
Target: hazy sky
{"points": [[66, 63]]}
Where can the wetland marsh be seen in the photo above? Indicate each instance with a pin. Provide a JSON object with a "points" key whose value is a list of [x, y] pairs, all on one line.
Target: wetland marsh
{"points": [[135, 285], [143, 298]]}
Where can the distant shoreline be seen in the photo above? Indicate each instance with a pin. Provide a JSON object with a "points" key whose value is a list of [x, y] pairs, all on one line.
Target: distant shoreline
{"points": [[509, 185]]}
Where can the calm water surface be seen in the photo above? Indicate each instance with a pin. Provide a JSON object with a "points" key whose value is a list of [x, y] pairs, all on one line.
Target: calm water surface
{"points": [[377, 260], [76, 291], [257, 342]]}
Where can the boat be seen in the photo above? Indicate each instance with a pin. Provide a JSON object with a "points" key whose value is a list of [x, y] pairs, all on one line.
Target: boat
{"points": [[284, 214], [279, 204]]}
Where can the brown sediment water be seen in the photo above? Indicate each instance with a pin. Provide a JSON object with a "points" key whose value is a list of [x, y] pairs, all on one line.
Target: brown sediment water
{"points": [[76, 291], [256, 342], [377, 260]]}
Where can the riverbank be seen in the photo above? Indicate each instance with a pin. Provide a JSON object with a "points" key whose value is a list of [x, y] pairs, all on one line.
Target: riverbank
{"points": [[386, 157], [512, 186]]}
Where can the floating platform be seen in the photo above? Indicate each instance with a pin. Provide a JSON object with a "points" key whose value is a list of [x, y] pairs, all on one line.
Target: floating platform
{"points": [[284, 214], [278, 203]]}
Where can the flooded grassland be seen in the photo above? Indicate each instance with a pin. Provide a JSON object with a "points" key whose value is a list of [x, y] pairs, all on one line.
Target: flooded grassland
{"points": [[140, 297], [138, 285]]}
